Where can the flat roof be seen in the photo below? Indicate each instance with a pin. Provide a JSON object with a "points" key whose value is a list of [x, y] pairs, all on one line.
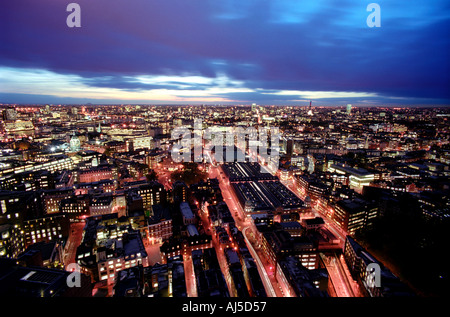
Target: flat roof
{"points": [[192, 230], [351, 170], [186, 210]]}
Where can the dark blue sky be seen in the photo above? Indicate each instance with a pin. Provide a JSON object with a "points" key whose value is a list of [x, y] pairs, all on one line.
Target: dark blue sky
{"points": [[225, 51]]}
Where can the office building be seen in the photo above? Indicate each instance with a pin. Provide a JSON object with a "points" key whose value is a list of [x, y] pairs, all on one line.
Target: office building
{"points": [[358, 260]]}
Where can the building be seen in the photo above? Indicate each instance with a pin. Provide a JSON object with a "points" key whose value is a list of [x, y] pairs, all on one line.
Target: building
{"points": [[75, 143], [184, 246], [266, 196], [29, 181], [187, 214], [180, 191], [292, 227], [43, 254], [358, 177], [117, 146], [101, 205], [152, 193], [165, 280], [120, 253], [208, 275], [52, 199], [110, 245], [52, 164], [15, 209], [313, 223], [142, 142], [34, 281], [95, 174], [54, 227], [159, 226], [159, 280], [11, 240], [10, 114], [354, 214], [18, 126], [153, 158], [303, 282], [311, 186], [358, 260]]}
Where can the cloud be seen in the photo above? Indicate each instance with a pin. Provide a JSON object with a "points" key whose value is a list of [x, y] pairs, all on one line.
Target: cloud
{"points": [[322, 46], [322, 94]]}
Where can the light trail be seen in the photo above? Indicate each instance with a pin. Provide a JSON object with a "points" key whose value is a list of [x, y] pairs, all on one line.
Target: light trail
{"points": [[262, 272], [343, 275]]}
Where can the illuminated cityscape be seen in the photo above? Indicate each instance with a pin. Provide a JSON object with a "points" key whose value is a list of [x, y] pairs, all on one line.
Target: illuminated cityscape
{"points": [[98, 186], [204, 151]]}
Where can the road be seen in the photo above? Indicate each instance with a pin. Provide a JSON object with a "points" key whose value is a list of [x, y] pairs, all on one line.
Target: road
{"points": [[74, 240], [338, 271], [340, 283], [248, 228], [270, 291], [191, 284]]}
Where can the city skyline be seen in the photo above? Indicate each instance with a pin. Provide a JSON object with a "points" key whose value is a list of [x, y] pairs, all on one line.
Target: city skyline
{"points": [[209, 52], [95, 202]]}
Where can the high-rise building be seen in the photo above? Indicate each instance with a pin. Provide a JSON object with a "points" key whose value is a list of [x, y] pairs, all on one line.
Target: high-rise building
{"points": [[349, 109], [152, 193], [354, 214], [290, 147]]}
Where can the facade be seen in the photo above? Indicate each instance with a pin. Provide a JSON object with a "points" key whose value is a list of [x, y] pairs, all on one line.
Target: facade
{"points": [[376, 282], [142, 142], [159, 228], [152, 193], [358, 177], [54, 227], [52, 199], [184, 246], [101, 205], [11, 240], [354, 214], [95, 174]]}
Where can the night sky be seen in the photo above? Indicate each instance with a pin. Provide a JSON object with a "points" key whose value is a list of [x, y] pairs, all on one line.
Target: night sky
{"points": [[284, 52]]}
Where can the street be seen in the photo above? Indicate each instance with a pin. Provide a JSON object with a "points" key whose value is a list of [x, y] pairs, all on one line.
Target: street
{"points": [[74, 240], [246, 225]]}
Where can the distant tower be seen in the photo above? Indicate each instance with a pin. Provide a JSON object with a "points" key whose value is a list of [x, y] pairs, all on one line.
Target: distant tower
{"points": [[289, 147], [310, 113], [75, 144], [349, 109], [99, 128]]}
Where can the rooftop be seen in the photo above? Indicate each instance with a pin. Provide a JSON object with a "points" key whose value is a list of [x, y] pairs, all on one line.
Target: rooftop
{"points": [[186, 210]]}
